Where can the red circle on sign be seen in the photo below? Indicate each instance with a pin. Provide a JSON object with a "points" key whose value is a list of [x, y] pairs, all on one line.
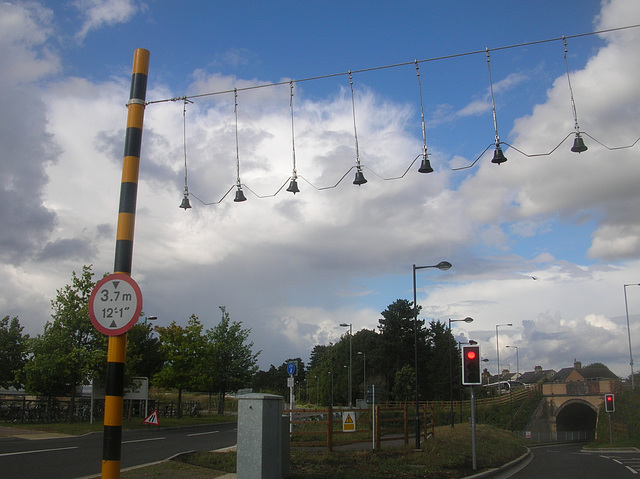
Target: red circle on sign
{"points": [[115, 304]]}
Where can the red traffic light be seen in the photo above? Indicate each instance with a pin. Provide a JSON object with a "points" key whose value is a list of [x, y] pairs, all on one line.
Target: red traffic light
{"points": [[609, 403], [471, 374]]}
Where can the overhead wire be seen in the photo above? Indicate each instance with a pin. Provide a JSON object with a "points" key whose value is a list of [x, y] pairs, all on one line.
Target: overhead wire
{"points": [[349, 73]]}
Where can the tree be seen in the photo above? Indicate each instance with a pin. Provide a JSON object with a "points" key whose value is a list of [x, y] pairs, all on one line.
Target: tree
{"points": [[398, 339], [442, 343], [13, 352], [71, 351], [404, 387], [184, 352], [144, 355], [232, 364], [274, 380]]}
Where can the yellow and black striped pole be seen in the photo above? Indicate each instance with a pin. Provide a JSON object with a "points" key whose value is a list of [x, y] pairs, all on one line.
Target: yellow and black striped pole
{"points": [[112, 440]]}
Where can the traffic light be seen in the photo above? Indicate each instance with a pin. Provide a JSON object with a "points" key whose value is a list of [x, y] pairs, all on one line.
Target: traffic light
{"points": [[609, 403], [471, 366]]}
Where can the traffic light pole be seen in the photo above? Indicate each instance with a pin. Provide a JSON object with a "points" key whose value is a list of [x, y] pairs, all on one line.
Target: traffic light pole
{"points": [[473, 428]]}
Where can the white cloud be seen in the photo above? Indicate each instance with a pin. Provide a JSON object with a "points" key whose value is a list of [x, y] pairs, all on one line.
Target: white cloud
{"points": [[97, 13], [282, 264]]}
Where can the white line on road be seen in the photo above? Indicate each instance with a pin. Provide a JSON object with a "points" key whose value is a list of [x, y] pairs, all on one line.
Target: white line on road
{"points": [[202, 433], [37, 451], [144, 440], [632, 469]]}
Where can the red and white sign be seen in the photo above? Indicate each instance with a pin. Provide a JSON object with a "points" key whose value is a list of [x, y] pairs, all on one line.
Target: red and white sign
{"points": [[152, 419], [115, 304]]}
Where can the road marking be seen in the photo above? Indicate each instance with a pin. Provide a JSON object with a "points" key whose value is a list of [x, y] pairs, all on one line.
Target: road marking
{"points": [[202, 433], [37, 451], [144, 440], [632, 469]]}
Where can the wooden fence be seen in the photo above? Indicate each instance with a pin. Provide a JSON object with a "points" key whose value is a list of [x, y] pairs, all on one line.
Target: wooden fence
{"points": [[323, 427]]}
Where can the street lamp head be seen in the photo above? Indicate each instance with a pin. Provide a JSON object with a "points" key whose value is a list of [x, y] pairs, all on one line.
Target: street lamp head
{"points": [[345, 325], [468, 320], [472, 342], [443, 265], [151, 318]]}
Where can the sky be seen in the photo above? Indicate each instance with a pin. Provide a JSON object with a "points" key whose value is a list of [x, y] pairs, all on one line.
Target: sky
{"points": [[545, 241]]}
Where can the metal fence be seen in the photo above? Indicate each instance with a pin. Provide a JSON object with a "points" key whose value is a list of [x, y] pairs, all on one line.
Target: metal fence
{"points": [[557, 436]]}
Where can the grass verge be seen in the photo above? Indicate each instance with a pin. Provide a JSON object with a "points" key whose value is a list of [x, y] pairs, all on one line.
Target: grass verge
{"points": [[447, 456]]}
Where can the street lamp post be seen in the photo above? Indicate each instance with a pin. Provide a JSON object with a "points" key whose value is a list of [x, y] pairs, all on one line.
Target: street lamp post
{"points": [[364, 377], [466, 320], [344, 325], [517, 359], [317, 390], [626, 308], [498, 352], [442, 266]]}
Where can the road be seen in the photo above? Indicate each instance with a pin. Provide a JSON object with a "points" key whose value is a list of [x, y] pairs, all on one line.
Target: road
{"points": [[77, 457], [569, 461]]}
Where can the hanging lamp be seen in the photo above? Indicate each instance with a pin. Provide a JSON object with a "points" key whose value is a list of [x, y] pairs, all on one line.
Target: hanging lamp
{"points": [[293, 185], [239, 194], [425, 164], [498, 155], [578, 142], [185, 199], [359, 179]]}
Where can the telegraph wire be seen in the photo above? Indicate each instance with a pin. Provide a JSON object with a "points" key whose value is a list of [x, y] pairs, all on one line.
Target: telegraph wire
{"points": [[394, 65]]}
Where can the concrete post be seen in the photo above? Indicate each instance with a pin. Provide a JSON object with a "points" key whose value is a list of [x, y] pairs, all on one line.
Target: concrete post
{"points": [[260, 437]]}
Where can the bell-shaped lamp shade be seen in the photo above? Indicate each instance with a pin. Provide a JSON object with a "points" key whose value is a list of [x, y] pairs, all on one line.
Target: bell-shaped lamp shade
{"points": [[578, 144], [425, 166], [293, 187], [239, 196], [185, 203], [498, 156], [360, 179]]}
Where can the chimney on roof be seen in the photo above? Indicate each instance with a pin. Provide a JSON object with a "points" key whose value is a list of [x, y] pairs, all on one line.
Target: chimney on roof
{"points": [[577, 365], [538, 369]]}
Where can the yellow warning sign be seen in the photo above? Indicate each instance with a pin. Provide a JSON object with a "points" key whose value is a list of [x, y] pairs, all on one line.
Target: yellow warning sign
{"points": [[348, 422]]}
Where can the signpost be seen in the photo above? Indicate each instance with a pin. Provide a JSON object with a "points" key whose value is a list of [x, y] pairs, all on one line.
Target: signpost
{"points": [[291, 370], [115, 304]]}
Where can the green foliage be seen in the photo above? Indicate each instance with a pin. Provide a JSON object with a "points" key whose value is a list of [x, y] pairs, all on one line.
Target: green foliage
{"points": [[404, 388], [231, 362], [625, 419], [274, 381], [387, 353], [13, 352], [184, 349], [447, 455], [144, 355], [70, 351], [443, 363]]}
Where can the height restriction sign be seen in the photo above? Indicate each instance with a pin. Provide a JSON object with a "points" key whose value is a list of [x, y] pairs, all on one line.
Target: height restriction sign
{"points": [[115, 304]]}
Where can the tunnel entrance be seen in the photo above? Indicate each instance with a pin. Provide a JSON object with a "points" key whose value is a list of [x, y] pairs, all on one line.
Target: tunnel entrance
{"points": [[576, 416]]}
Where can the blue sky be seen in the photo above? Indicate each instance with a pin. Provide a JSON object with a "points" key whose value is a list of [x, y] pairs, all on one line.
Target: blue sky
{"points": [[292, 268]]}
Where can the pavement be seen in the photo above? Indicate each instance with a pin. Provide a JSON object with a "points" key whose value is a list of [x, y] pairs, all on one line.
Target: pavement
{"points": [[30, 434]]}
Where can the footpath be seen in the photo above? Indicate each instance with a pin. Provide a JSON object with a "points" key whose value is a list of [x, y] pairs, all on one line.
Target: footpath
{"points": [[31, 434]]}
